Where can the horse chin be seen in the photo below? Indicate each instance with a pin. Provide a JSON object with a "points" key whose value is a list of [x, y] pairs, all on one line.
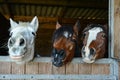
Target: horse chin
{"points": [[57, 64], [17, 58], [86, 60]]}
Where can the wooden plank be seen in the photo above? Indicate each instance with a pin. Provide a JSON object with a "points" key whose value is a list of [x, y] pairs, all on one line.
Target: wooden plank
{"points": [[5, 68], [63, 3], [85, 68], [117, 28], [32, 68], [53, 20], [45, 68], [58, 70], [100, 69], [18, 69], [72, 68]]}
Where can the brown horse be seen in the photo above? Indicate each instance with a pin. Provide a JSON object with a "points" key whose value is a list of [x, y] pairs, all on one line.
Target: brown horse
{"points": [[65, 44], [94, 42], [4, 34]]}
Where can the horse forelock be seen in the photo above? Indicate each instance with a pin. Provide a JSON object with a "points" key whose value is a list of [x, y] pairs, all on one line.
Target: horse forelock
{"points": [[63, 31], [93, 34], [24, 23], [93, 26]]}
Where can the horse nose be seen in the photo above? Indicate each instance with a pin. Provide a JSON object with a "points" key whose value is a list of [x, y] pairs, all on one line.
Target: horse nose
{"points": [[11, 42], [22, 42], [83, 51], [57, 63]]}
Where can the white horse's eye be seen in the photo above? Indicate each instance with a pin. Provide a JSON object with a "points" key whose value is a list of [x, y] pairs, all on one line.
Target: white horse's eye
{"points": [[11, 33], [33, 33]]}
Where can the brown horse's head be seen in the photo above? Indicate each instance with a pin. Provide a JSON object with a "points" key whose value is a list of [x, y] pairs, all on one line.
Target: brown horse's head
{"points": [[64, 44], [94, 43]]}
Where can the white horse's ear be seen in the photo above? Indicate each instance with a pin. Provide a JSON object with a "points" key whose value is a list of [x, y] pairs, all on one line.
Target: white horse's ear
{"points": [[13, 24], [34, 23]]}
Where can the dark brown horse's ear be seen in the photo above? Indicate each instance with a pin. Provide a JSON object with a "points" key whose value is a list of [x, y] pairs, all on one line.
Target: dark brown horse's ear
{"points": [[76, 27], [58, 25]]}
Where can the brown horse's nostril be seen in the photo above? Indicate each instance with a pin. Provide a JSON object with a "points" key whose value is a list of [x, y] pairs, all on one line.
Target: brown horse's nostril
{"points": [[22, 41], [92, 51], [83, 51]]}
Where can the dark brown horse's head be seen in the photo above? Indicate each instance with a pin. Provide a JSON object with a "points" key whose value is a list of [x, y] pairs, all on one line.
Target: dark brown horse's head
{"points": [[64, 43], [94, 43]]}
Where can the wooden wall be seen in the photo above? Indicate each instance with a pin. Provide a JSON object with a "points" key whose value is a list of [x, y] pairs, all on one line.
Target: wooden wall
{"points": [[45, 67], [116, 30]]}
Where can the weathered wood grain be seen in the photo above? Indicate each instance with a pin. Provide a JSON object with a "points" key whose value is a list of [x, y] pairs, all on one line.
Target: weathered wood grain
{"points": [[31, 68], [5, 68], [58, 70], [117, 28], [45, 68], [18, 68], [72, 68], [100, 69], [85, 68]]}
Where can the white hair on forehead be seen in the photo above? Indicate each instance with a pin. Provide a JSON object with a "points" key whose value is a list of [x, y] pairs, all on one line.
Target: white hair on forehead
{"points": [[93, 34], [67, 34], [24, 23]]}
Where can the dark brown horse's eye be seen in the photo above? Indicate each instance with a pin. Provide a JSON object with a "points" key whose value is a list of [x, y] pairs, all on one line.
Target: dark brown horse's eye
{"points": [[84, 34]]}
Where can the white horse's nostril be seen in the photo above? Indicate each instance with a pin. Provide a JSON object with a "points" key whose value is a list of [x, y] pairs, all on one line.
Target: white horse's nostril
{"points": [[22, 42], [11, 42]]}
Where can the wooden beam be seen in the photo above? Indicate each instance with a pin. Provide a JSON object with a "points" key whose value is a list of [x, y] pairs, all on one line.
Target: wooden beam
{"points": [[102, 4], [51, 20]]}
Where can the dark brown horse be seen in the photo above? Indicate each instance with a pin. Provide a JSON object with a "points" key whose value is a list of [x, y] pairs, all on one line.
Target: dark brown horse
{"points": [[4, 34], [65, 44], [94, 42]]}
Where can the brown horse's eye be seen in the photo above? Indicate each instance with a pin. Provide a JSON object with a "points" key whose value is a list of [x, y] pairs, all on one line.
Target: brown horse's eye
{"points": [[103, 35]]}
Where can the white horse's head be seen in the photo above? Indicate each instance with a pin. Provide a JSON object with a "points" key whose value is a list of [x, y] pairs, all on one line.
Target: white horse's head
{"points": [[21, 42]]}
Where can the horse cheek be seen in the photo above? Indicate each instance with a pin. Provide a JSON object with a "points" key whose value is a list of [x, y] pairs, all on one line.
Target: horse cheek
{"points": [[69, 55]]}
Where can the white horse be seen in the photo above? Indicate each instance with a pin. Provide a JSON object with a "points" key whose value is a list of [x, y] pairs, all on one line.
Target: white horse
{"points": [[22, 40]]}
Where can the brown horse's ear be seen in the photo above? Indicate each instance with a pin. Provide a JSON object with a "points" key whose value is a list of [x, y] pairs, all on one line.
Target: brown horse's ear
{"points": [[105, 27], [76, 27], [58, 25]]}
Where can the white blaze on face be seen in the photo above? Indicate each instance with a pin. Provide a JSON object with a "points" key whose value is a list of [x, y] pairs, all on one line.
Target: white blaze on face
{"points": [[92, 36], [66, 34]]}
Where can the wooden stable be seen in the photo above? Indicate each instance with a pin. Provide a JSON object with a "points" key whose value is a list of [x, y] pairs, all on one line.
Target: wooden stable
{"points": [[41, 68]]}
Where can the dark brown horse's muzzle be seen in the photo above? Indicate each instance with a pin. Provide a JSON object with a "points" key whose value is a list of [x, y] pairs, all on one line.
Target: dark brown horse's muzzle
{"points": [[57, 57]]}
